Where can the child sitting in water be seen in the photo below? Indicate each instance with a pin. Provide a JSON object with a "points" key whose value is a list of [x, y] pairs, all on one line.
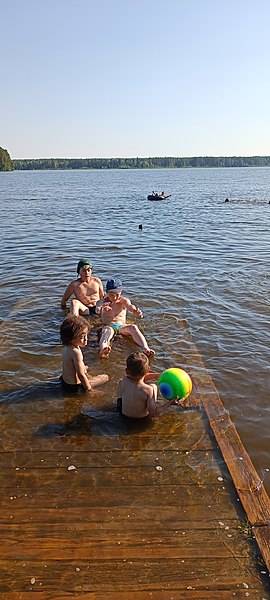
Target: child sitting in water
{"points": [[136, 398], [113, 309], [74, 334]]}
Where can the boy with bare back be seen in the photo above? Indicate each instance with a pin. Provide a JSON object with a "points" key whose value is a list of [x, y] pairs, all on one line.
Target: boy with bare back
{"points": [[113, 309], [74, 335], [86, 289], [136, 397]]}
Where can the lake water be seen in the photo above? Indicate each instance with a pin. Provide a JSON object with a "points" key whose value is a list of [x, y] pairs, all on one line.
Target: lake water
{"points": [[197, 260]]}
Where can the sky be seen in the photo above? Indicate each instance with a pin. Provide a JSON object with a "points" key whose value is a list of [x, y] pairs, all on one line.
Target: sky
{"points": [[128, 78]]}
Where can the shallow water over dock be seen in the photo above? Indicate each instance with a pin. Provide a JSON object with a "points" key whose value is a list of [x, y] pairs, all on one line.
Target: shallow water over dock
{"points": [[197, 262]]}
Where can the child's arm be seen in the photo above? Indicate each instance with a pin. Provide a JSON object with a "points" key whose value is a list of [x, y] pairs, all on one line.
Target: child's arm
{"points": [[101, 304], [152, 407], [67, 294], [133, 309], [151, 376], [80, 369]]}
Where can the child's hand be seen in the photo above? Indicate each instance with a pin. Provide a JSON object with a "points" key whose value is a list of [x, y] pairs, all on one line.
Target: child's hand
{"points": [[177, 402], [107, 306], [137, 312]]}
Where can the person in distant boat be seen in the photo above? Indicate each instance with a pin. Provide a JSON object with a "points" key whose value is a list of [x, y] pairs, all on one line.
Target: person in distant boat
{"points": [[163, 195], [113, 309], [136, 397], [86, 289], [74, 334]]}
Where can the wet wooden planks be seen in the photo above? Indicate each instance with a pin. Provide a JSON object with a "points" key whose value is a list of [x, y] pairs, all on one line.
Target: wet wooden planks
{"points": [[93, 508], [142, 514], [190, 594]]}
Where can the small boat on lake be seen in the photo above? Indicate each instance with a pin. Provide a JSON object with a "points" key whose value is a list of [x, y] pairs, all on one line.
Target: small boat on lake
{"points": [[156, 197]]}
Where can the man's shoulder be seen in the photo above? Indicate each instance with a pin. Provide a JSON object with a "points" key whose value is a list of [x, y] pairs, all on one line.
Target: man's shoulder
{"points": [[75, 282], [72, 283]]}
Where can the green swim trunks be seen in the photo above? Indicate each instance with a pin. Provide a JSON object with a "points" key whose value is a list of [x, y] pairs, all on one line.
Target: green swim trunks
{"points": [[116, 326]]}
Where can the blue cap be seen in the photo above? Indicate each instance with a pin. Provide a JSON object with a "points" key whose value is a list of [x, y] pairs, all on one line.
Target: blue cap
{"points": [[114, 285]]}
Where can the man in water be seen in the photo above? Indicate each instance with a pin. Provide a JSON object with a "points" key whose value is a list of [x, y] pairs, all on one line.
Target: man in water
{"points": [[86, 289]]}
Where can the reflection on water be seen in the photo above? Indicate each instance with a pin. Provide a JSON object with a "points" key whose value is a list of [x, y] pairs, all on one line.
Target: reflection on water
{"points": [[198, 264]]}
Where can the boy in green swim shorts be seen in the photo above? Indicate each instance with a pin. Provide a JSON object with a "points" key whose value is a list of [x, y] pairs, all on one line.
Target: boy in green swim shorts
{"points": [[113, 309]]}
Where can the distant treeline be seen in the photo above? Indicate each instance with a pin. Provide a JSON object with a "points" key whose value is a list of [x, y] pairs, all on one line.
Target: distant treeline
{"points": [[142, 163]]}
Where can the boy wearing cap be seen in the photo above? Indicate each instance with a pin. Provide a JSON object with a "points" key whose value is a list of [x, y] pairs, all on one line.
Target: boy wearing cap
{"points": [[86, 289], [113, 309]]}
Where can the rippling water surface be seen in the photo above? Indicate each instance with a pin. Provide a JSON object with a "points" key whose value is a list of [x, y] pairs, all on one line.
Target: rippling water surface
{"points": [[197, 260]]}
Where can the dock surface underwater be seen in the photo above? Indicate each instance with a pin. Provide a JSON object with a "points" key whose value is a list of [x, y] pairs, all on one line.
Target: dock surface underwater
{"points": [[172, 509]]}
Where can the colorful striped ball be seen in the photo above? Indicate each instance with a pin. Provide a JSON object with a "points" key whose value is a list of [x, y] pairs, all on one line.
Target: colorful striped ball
{"points": [[175, 383]]}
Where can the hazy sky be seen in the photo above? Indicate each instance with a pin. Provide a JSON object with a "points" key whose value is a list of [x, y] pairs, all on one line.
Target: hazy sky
{"points": [[104, 78]]}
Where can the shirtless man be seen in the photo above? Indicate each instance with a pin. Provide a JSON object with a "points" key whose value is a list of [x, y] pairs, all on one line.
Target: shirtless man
{"points": [[86, 289], [113, 309]]}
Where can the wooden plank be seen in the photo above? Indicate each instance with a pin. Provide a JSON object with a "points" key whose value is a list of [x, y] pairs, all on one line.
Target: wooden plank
{"points": [[246, 480], [20, 460], [129, 575], [207, 499], [262, 535], [248, 485], [85, 541], [189, 468], [188, 594], [170, 517]]}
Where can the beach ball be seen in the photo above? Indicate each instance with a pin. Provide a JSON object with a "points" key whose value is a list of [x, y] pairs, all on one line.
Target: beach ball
{"points": [[175, 383]]}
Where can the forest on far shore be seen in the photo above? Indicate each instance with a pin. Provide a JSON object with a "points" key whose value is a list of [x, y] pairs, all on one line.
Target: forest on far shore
{"points": [[141, 163], [7, 164]]}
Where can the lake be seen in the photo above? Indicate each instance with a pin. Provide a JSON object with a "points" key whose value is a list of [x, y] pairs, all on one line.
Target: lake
{"points": [[197, 262]]}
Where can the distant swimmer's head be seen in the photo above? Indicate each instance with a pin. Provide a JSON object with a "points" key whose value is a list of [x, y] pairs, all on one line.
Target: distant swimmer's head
{"points": [[114, 285], [227, 200], [85, 264]]}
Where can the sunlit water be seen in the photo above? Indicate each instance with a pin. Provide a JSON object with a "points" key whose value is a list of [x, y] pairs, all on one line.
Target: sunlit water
{"points": [[196, 259]]}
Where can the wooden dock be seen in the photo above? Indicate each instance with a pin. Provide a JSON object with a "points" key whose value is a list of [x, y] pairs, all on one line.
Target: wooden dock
{"points": [[169, 510]]}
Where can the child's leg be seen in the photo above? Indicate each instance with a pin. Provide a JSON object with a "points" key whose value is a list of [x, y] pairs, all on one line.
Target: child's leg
{"points": [[77, 308], [98, 380], [104, 342], [137, 336]]}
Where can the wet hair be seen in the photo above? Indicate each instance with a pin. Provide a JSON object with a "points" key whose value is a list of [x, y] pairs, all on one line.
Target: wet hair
{"points": [[137, 364], [71, 328]]}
